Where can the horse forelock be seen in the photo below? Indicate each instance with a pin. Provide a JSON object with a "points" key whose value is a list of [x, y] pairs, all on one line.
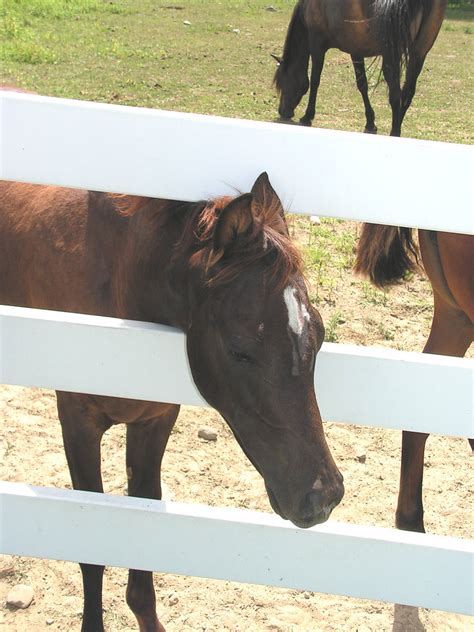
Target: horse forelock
{"points": [[267, 240]]}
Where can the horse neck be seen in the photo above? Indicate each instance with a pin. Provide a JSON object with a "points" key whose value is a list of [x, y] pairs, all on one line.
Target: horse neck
{"points": [[151, 283]]}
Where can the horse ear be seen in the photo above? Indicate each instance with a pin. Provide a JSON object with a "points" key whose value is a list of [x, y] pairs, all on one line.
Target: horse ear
{"points": [[234, 222], [279, 60], [266, 196], [264, 193]]}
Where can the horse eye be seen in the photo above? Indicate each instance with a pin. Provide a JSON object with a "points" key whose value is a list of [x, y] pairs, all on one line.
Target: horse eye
{"points": [[240, 356]]}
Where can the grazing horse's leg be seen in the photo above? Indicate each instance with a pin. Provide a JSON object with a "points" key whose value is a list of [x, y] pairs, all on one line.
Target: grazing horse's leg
{"points": [[361, 80], [421, 46], [451, 334], [318, 52], [391, 72], [146, 443], [414, 66], [83, 428]]}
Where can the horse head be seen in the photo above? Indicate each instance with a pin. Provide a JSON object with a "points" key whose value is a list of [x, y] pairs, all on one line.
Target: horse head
{"points": [[252, 341], [292, 83], [291, 76]]}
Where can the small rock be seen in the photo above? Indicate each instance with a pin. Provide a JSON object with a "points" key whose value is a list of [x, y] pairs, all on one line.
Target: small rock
{"points": [[314, 219], [236, 31], [271, 8], [187, 23], [208, 434], [49, 621], [20, 596], [362, 458], [449, 511], [173, 599], [8, 569]]}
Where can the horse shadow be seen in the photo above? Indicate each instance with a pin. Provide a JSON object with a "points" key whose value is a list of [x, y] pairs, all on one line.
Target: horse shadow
{"points": [[406, 618]]}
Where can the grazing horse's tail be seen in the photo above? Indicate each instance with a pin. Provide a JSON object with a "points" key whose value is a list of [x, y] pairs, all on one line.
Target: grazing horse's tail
{"points": [[398, 22], [385, 253]]}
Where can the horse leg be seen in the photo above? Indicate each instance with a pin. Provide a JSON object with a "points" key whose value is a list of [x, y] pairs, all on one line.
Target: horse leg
{"points": [[82, 428], [318, 53], [409, 514], [420, 48], [391, 72], [414, 66], [451, 334], [146, 443], [361, 80]]}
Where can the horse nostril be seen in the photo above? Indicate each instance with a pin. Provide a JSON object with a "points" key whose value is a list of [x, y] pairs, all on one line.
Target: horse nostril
{"points": [[322, 499]]}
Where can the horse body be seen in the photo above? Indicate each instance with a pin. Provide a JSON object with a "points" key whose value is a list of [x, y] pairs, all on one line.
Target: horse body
{"points": [[384, 254], [348, 26], [226, 273], [400, 31]]}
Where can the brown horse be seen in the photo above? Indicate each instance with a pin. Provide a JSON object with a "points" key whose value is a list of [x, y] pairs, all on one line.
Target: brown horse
{"points": [[384, 254], [226, 273], [401, 31]]}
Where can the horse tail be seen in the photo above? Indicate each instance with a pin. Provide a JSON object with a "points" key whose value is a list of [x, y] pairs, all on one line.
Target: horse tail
{"points": [[395, 19], [296, 42], [385, 253]]}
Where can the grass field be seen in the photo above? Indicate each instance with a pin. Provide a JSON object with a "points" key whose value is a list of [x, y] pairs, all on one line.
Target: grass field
{"points": [[213, 57]]}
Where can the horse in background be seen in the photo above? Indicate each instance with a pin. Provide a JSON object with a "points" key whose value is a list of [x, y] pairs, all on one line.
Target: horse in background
{"points": [[385, 254], [402, 32]]}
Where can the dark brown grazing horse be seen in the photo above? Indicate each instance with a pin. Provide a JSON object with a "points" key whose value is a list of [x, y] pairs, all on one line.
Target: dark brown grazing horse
{"points": [[384, 254], [401, 31], [226, 273]]}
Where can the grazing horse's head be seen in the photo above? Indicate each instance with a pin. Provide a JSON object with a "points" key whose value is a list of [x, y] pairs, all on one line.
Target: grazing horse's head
{"points": [[252, 341], [291, 76], [292, 83]]}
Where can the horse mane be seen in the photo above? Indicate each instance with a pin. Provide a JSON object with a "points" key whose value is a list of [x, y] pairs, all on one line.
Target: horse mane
{"points": [[296, 44], [267, 240], [385, 253]]}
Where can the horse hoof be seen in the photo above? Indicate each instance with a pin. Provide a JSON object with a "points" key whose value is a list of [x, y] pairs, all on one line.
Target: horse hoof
{"points": [[305, 122], [414, 525], [284, 121], [370, 130]]}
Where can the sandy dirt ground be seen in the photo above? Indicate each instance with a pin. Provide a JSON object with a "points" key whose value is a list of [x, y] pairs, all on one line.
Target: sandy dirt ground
{"points": [[218, 474]]}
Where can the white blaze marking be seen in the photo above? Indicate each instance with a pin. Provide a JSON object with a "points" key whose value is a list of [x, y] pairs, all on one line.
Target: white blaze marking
{"points": [[297, 312]]}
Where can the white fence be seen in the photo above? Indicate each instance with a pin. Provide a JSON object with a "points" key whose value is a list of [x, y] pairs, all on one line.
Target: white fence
{"points": [[163, 154]]}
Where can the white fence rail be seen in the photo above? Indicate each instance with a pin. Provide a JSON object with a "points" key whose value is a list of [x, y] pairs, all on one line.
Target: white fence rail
{"points": [[188, 157], [385, 564], [163, 154], [107, 356]]}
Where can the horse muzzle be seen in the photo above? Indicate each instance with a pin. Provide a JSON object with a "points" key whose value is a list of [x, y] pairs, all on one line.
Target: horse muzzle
{"points": [[314, 508], [286, 114], [285, 121]]}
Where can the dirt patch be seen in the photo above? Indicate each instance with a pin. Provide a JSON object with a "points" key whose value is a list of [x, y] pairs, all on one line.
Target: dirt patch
{"points": [[217, 473]]}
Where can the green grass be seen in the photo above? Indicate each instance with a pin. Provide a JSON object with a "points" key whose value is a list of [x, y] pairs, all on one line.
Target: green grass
{"points": [[213, 57], [141, 52], [332, 325], [24, 43]]}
